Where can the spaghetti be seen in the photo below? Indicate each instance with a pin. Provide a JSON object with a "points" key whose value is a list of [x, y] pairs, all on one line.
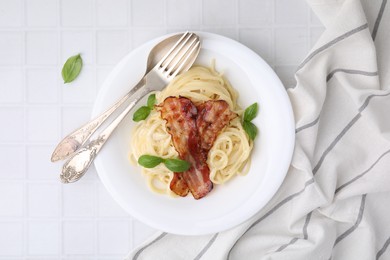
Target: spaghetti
{"points": [[230, 153]]}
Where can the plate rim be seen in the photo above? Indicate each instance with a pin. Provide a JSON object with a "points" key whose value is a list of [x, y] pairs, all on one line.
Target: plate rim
{"points": [[290, 145]]}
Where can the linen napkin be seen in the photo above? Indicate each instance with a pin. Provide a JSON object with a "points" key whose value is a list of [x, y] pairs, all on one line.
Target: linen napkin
{"points": [[334, 202]]}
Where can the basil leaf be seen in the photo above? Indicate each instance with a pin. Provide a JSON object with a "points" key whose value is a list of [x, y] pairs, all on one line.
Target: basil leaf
{"points": [[151, 101], [141, 113], [72, 68], [250, 129], [149, 161], [177, 165], [250, 112]]}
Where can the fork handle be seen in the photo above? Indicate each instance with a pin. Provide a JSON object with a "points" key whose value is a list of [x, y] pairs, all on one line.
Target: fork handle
{"points": [[72, 142], [77, 165]]}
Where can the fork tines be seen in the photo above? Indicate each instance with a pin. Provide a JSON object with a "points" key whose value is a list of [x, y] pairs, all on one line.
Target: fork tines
{"points": [[172, 63]]}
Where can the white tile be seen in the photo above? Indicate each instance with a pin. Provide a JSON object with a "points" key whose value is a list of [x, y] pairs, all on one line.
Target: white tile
{"points": [[75, 42], [39, 166], [111, 13], [73, 118], [290, 45], [114, 237], [91, 175], [213, 15], [79, 199], [42, 12], [255, 12], [42, 48], [315, 34], [141, 232], [42, 85], [82, 89], [42, 124], [101, 75], [12, 162], [107, 206], [11, 237], [11, 50], [111, 46], [11, 87], [44, 257], [181, 13], [289, 12], [144, 15], [43, 199], [314, 20], [140, 36], [43, 238], [84, 257], [286, 75], [79, 237], [76, 13], [13, 130], [11, 13], [183, 28], [259, 40], [11, 199], [227, 32]]}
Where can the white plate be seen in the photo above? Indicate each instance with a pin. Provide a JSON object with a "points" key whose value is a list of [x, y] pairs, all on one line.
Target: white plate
{"points": [[227, 205]]}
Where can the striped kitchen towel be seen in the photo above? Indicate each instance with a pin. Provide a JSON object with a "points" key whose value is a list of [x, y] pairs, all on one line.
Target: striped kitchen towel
{"points": [[335, 200]]}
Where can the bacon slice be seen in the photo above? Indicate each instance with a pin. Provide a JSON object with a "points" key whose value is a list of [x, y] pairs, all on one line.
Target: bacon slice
{"points": [[194, 130], [213, 116], [180, 114], [179, 185]]}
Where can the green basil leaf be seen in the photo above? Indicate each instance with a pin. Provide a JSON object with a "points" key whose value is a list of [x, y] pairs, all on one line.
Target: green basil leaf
{"points": [[250, 129], [72, 68], [149, 161], [177, 165], [141, 113], [151, 101], [251, 112]]}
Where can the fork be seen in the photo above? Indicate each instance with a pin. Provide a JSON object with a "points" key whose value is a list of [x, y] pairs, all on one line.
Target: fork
{"points": [[172, 64]]}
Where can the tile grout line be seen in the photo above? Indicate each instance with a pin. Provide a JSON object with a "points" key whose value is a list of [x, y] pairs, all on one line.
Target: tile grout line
{"points": [[61, 240], [308, 23], [95, 182], [154, 27], [130, 25], [202, 26], [237, 20], [130, 33], [273, 37], [71, 219], [25, 132], [165, 16]]}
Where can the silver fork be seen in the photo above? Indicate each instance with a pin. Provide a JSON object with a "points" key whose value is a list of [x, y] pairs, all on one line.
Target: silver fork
{"points": [[177, 58]]}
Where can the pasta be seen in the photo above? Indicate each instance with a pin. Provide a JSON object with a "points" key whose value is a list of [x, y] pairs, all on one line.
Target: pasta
{"points": [[230, 153]]}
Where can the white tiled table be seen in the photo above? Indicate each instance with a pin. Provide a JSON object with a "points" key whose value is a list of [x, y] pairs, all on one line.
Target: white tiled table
{"points": [[39, 217]]}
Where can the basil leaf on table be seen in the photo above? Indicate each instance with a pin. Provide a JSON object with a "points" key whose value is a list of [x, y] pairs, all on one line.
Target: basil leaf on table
{"points": [[151, 100], [177, 165], [141, 113], [72, 68], [149, 161], [250, 112], [250, 129]]}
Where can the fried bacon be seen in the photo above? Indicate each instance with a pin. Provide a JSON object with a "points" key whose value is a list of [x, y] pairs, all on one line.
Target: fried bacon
{"points": [[213, 116], [193, 131], [180, 114]]}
